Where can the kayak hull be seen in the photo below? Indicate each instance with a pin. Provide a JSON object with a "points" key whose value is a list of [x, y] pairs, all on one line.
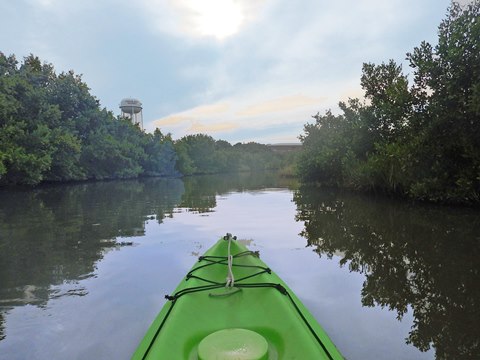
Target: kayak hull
{"points": [[259, 301]]}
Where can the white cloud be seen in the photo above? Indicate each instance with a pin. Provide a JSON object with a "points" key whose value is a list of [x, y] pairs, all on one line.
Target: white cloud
{"points": [[304, 44], [43, 3], [231, 118], [199, 127], [315, 49], [218, 19], [282, 104]]}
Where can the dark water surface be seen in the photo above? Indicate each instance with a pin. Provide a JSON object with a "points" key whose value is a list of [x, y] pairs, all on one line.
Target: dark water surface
{"points": [[84, 268]]}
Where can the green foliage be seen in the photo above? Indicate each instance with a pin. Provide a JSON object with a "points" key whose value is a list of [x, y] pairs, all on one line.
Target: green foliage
{"points": [[52, 129], [324, 146], [201, 154], [199, 149], [26, 154], [420, 140], [65, 157], [160, 157], [447, 79], [255, 157]]}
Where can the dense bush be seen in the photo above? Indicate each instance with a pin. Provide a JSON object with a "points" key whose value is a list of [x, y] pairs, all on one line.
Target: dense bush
{"points": [[53, 129], [420, 140], [201, 154]]}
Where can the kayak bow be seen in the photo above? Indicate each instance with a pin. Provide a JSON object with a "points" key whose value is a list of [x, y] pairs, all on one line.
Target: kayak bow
{"points": [[250, 314]]}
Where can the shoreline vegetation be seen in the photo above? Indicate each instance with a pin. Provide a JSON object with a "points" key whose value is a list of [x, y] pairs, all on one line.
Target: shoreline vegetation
{"points": [[53, 130], [418, 140]]}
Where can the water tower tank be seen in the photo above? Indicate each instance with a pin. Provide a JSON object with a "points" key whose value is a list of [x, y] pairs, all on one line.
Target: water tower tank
{"points": [[130, 106]]}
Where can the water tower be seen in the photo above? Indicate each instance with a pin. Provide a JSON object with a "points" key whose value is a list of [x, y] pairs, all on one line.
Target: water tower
{"points": [[132, 108]]}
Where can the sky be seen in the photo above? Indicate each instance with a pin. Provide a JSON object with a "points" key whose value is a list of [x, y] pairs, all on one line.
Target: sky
{"points": [[238, 70]]}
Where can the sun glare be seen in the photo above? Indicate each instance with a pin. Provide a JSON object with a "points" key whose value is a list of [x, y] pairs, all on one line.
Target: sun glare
{"points": [[217, 18]]}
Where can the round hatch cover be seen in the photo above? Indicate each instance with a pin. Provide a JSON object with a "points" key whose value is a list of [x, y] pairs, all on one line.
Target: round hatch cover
{"points": [[238, 344]]}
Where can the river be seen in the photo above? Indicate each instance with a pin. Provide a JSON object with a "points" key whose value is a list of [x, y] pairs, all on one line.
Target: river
{"points": [[84, 267]]}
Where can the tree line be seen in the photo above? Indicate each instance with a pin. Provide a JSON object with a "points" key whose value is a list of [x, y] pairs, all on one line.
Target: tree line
{"points": [[52, 129], [415, 134]]}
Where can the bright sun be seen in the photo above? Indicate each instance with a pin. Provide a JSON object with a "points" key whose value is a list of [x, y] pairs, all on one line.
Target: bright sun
{"points": [[217, 18]]}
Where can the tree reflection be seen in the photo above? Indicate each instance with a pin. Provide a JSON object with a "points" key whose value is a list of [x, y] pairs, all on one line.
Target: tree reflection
{"points": [[201, 191], [412, 255], [2, 328], [53, 237]]}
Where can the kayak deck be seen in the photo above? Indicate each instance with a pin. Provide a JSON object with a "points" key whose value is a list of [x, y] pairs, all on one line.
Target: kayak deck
{"points": [[259, 301]]}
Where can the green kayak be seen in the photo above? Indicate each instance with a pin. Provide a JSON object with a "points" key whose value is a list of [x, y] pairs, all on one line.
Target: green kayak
{"points": [[232, 306]]}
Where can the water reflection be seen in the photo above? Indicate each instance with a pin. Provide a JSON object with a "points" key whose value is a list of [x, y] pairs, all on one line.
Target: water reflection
{"points": [[201, 191], [52, 238], [55, 235], [2, 327], [413, 256]]}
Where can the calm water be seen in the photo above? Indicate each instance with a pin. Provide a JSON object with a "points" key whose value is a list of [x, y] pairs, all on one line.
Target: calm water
{"points": [[84, 268]]}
